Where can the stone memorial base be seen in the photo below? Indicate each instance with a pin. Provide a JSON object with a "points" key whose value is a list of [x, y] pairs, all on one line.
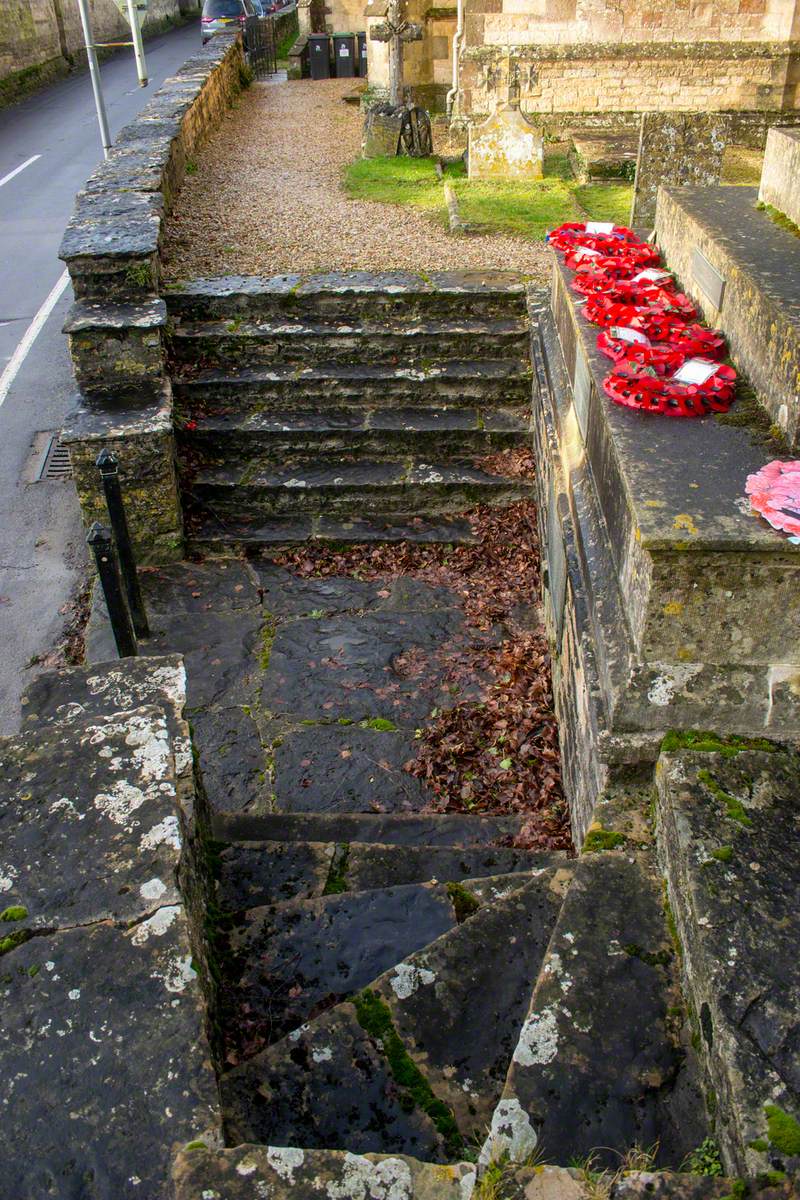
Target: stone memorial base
{"points": [[670, 606], [505, 146], [744, 271]]}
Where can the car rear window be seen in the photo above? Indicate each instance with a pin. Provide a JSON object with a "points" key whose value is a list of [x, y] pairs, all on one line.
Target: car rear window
{"points": [[222, 8]]}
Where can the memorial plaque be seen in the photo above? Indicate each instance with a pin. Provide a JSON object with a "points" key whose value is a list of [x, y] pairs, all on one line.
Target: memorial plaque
{"points": [[556, 563], [581, 391], [708, 279]]}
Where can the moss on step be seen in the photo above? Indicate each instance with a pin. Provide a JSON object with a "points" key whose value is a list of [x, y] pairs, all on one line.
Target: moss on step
{"points": [[733, 806], [463, 901], [15, 912], [375, 1016], [598, 839], [336, 883], [783, 1130], [703, 741]]}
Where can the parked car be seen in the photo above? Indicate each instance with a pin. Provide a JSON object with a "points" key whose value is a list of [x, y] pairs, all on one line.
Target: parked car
{"points": [[224, 16]]}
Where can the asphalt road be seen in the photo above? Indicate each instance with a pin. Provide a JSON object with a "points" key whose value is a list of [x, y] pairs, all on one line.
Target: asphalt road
{"points": [[42, 553]]}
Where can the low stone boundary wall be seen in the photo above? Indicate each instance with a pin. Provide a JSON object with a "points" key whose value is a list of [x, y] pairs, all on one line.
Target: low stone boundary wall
{"points": [[116, 326]]}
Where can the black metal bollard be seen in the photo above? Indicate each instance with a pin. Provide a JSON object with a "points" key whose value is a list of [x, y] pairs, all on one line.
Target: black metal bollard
{"points": [[109, 474], [99, 538]]}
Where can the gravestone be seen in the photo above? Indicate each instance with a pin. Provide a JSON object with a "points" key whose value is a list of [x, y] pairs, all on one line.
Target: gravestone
{"points": [[675, 149], [506, 146]]}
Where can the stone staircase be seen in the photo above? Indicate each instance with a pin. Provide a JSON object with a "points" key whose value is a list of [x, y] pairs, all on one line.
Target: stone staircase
{"points": [[347, 406]]}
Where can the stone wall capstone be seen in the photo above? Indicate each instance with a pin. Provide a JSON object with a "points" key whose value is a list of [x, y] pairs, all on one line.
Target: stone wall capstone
{"points": [[112, 250]]}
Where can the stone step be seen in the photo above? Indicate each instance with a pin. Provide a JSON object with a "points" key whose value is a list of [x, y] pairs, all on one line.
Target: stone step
{"points": [[351, 296], [602, 1063], [288, 962], [288, 1173], [448, 1015], [256, 873], [362, 487], [485, 382], [278, 434], [458, 830], [209, 533], [252, 343]]}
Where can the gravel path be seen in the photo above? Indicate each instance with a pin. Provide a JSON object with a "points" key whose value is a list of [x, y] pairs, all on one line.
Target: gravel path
{"points": [[266, 199]]}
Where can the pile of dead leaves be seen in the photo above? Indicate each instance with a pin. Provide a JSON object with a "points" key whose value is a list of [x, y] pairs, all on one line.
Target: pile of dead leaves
{"points": [[498, 753]]}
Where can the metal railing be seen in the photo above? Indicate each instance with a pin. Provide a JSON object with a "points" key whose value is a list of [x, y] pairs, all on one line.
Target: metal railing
{"points": [[116, 564]]}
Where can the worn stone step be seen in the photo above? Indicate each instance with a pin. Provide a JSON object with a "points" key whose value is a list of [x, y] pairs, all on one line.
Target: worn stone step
{"points": [[453, 1009], [278, 434], [251, 343], [211, 533], [485, 382], [252, 1172], [285, 963], [285, 1096], [351, 296], [603, 1062], [256, 873], [457, 830], [362, 487]]}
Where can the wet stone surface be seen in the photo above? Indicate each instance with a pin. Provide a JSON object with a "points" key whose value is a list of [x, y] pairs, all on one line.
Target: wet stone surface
{"points": [[598, 1056], [380, 665], [283, 1097], [458, 1004], [301, 957], [334, 768], [103, 1060], [257, 873]]}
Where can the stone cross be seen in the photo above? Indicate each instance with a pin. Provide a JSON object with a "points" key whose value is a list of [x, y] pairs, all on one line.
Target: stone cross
{"points": [[396, 30]]}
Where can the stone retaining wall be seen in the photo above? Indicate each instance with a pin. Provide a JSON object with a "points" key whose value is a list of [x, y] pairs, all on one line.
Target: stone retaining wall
{"points": [[116, 326], [42, 39]]}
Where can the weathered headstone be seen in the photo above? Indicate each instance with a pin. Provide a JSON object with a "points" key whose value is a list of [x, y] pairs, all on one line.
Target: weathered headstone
{"points": [[676, 149], [505, 146]]}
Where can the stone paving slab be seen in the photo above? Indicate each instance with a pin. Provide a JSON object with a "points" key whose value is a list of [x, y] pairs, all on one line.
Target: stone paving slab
{"points": [[331, 768], [224, 585], [288, 595], [232, 760], [377, 665], [599, 1056], [459, 1004], [308, 954], [251, 1172], [283, 1096], [89, 822], [727, 834], [103, 1059]]}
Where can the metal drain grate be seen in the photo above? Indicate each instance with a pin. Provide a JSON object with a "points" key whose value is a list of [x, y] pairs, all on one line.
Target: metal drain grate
{"points": [[56, 464]]}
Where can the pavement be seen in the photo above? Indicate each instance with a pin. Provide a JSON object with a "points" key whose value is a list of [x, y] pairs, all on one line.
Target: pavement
{"points": [[42, 553]]}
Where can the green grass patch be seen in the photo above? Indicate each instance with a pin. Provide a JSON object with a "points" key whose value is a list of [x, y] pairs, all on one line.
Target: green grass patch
{"points": [[525, 210], [606, 201], [375, 1016]]}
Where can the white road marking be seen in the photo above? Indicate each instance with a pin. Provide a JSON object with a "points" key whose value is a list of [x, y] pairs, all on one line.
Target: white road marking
{"points": [[29, 337], [7, 178]]}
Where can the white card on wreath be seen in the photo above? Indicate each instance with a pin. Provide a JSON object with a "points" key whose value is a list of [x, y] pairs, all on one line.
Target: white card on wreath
{"points": [[628, 335], [599, 226], [696, 370]]}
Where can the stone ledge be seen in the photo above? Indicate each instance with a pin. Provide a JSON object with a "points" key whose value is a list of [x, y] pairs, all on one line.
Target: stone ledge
{"points": [[760, 263], [92, 314]]}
